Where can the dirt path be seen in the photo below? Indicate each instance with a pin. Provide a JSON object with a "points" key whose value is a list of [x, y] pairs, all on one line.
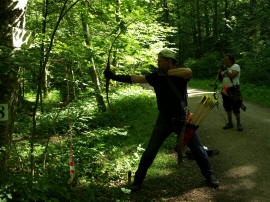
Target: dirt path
{"points": [[243, 165]]}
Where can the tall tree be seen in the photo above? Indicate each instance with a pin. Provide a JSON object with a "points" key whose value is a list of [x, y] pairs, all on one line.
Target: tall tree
{"points": [[12, 15], [166, 11], [252, 6], [206, 19], [42, 48], [118, 20], [93, 73], [179, 31], [215, 20], [198, 16], [226, 29]]}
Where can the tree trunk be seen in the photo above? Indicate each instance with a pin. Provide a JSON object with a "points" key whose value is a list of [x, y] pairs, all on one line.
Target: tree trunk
{"points": [[118, 19], [166, 11], [180, 37], [42, 48], [93, 74], [215, 18], [118, 10], [9, 85], [193, 18], [254, 28], [198, 16], [206, 16], [63, 12], [252, 6], [226, 45], [226, 9]]}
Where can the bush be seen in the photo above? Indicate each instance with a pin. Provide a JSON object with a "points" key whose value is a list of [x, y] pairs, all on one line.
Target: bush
{"points": [[205, 67], [256, 66]]}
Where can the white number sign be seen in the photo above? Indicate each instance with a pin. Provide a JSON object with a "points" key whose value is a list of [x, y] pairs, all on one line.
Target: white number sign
{"points": [[3, 112]]}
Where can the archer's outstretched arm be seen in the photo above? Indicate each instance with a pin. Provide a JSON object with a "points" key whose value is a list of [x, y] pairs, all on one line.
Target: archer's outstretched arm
{"points": [[183, 72], [125, 78], [138, 79]]}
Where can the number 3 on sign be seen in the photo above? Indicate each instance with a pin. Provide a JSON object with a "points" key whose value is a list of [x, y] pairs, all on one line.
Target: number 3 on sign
{"points": [[3, 112]]}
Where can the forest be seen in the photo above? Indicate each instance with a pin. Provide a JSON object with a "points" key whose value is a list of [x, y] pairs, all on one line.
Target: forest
{"points": [[59, 114]]}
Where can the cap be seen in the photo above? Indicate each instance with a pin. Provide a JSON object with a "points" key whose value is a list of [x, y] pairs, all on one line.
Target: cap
{"points": [[167, 53]]}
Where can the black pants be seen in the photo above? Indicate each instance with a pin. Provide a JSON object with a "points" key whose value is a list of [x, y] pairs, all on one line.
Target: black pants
{"points": [[232, 101], [163, 128]]}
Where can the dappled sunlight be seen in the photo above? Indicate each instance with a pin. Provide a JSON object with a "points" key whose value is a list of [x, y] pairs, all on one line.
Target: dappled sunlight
{"points": [[242, 174], [241, 171], [198, 194], [266, 120], [20, 35], [242, 184]]}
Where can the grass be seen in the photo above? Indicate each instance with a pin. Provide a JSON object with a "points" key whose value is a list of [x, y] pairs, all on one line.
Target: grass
{"points": [[250, 92], [103, 151]]}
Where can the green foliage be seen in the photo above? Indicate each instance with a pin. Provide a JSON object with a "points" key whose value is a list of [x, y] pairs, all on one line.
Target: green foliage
{"points": [[256, 65], [141, 39], [205, 67], [24, 188], [256, 94], [103, 152]]}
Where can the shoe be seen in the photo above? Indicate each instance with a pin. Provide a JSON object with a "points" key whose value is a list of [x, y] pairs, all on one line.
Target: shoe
{"points": [[213, 181], [228, 126], [239, 127], [243, 107], [212, 152]]}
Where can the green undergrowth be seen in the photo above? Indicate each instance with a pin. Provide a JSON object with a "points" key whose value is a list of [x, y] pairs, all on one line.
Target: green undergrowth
{"points": [[250, 92], [103, 151]]}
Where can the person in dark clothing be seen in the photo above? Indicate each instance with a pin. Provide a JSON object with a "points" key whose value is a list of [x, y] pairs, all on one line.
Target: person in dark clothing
{"points": [[172, 114]]}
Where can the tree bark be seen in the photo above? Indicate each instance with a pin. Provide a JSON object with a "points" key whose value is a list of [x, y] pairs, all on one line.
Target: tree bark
{"points": [[252, 6], [194, 27], [42, 48], [215, 21], [226, 30], [166, 11], [180, 37], [63, 12], [226, 9], [92, 68], [9, 85], [206, 16], [199, 32], [118, 19]]}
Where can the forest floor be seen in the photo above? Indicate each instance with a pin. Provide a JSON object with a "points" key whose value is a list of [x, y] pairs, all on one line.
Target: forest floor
{"points": [[242, 166]]}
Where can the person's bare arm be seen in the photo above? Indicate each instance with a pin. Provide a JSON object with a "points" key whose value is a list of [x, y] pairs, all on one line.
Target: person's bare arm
{"points": [[183, 72], [220, 77], [138, 79], [232, 74]]}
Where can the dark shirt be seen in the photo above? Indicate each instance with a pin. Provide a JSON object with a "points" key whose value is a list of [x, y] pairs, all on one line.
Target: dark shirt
{"points": [[167, 101]]}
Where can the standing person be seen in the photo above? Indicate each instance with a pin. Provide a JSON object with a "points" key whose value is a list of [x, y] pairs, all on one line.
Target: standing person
{"points": [[231, 95], [171, 116]]}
